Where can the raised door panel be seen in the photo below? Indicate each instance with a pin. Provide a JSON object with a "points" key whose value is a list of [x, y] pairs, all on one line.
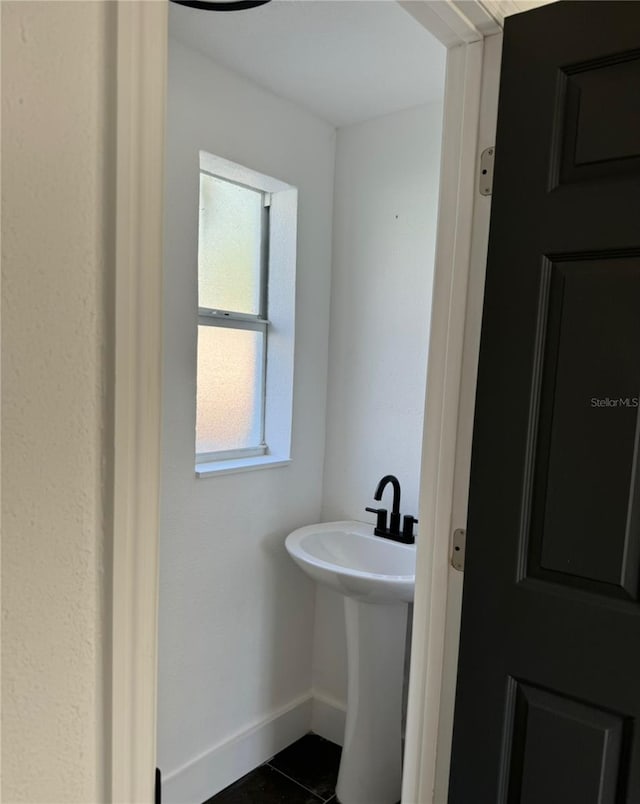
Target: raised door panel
{"points": [[598, 119], [585, 518], [564, 751]]}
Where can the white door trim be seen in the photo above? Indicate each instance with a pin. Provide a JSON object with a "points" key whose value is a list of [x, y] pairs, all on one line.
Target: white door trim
{"points": [[142, 54], [500, 9], [449, 418], [450, 21], [140, 105], [458, 187]]}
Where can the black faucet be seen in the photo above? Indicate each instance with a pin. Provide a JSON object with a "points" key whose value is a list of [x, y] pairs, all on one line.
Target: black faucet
{"points": [[393, 531], [394, 519]]}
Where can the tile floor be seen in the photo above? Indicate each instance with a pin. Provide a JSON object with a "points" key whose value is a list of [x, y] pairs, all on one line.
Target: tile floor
{"points": [[304, 773]]}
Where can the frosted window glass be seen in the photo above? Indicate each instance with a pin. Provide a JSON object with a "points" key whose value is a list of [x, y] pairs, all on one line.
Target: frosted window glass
{"points": [[229, 246], [230, 382]]}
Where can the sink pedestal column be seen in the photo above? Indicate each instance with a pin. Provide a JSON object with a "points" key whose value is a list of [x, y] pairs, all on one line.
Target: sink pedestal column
{"points": [[371, 765]]}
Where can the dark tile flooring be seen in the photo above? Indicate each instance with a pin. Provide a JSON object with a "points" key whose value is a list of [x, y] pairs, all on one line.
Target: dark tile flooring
{"points": [[304, 773]]}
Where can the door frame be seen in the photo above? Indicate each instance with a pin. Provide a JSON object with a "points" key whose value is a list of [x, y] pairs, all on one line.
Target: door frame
{"points": [[141, 54], [461, 250], [463, 222]]}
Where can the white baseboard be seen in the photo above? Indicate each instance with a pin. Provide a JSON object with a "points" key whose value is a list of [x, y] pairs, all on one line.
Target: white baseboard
{"points": [[221, 765], [328, 717]]}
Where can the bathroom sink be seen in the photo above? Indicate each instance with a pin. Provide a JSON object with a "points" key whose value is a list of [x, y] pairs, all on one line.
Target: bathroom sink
{"points": [[366, 569], [349, 558]]}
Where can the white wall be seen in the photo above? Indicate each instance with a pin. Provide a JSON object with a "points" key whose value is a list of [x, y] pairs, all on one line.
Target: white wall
{"points": [[385, 209], [58, 61], [57, 64], [235, 613]]}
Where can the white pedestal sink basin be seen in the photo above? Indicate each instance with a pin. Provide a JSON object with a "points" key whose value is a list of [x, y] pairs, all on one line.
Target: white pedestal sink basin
{"points": [[377, 578]]}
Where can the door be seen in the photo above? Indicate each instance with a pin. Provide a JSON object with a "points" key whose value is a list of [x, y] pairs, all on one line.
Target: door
{"points": [[548, 694]]}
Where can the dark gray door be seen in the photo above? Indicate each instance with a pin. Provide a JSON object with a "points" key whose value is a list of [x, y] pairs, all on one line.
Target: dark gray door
{"points": [[548, 696]]}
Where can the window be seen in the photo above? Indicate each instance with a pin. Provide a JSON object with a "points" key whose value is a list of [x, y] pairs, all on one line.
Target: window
{"points": [[246, 266], [232, 319]]}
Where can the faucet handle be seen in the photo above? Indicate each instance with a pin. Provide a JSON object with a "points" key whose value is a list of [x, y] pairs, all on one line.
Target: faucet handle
{"points": [[381, 522], [407, 529]]}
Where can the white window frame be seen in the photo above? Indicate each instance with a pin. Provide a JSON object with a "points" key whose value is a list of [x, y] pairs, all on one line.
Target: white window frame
{"points": [[276, 318], [232, 319]]}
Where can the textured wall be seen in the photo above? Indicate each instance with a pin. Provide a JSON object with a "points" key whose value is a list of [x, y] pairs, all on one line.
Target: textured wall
{"points": [[54, 99]]}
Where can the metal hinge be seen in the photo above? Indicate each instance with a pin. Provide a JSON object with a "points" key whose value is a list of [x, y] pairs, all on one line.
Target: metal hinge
{"points": [[457, 554], [485, 178]]}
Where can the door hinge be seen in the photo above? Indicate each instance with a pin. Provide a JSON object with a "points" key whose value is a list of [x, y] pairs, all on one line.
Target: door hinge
{"points": [[457, 554], [485, 177], [158, 787]]}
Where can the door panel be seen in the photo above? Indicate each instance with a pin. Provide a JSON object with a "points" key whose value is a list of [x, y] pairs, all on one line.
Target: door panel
{"points": [[589, 93], [563, 750], [584, 517], [548, 691]]}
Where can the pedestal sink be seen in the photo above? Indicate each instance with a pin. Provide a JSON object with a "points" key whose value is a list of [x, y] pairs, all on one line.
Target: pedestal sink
{"points": [[376, 577]]}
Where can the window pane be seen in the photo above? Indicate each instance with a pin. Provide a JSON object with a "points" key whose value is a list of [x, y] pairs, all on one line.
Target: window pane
{"points": [[229, 246], [230, 382]]}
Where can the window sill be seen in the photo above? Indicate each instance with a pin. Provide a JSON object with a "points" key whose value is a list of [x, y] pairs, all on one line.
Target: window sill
{"points": [[240, 465]]}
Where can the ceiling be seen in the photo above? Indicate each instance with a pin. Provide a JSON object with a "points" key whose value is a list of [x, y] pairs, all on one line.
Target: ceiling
{"points": [[344, 60]]}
